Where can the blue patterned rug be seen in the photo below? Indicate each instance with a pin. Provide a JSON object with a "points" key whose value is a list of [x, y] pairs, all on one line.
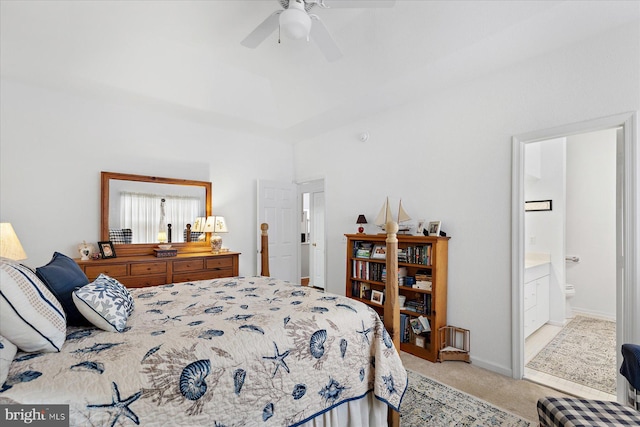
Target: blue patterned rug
{"points": [[430, 403]]}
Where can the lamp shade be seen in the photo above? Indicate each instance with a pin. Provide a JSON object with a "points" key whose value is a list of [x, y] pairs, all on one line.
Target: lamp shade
{"points": [[215, 224], [198, 224], [221, 225], [361, 220], [10, 246]]}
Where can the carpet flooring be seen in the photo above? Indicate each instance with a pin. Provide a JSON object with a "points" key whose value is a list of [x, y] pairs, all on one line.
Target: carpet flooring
{"points": [[430, 403], [583, 352]]}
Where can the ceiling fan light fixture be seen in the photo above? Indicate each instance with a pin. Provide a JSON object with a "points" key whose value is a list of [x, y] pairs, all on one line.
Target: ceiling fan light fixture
{"points": [[295, 23]]}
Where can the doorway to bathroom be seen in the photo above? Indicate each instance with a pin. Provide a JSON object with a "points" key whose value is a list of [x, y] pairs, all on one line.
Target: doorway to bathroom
{"points": [[546, 233], [570, 256]]}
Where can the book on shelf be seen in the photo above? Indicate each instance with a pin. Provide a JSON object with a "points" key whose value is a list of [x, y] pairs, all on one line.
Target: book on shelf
{"points": [[362, 249], [367, 270], [402, 273], [422, 305], [415, 254], [365, 290], [404, 334], [424, 280], [363, 253]]}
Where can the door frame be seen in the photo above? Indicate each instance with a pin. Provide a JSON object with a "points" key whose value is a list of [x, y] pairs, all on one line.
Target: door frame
{"points": [[628, 285]]}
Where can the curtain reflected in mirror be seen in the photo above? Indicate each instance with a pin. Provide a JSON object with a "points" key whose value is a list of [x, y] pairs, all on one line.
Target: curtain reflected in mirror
{"points": [[142, 213]]}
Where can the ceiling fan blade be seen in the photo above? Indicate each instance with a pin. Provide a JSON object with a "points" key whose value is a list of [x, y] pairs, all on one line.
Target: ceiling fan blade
{"points": [[335, 4], [262, 31], [323, 39]]}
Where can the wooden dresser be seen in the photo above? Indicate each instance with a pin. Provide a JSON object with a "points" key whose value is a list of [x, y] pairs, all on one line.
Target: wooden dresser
{"points": [[148, 270]]}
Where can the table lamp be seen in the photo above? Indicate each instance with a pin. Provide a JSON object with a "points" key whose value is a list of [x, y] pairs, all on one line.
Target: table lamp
{"points": [[361, 220], [216, 224], [10, 246]]}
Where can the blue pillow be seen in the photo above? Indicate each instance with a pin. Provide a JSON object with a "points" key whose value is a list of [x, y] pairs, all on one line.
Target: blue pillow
{"points": [[62, 276]]}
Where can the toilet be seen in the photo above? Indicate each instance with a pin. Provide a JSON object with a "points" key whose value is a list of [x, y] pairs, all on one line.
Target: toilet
{"points": [[569, 292]]}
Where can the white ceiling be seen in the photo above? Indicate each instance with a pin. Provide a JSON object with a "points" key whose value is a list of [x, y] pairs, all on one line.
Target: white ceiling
{"points": [[185, 57]]}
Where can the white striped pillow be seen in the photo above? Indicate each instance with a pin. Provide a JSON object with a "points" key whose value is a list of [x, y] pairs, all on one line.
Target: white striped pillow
{"points": [[30, 316], [7, 353]]}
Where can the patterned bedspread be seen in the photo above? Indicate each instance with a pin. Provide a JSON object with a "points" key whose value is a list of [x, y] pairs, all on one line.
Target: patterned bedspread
{"points": [[226, 352]]}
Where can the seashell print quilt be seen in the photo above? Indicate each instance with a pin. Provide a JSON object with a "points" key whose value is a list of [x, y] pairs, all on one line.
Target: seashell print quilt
{"points": [[242, 351]]}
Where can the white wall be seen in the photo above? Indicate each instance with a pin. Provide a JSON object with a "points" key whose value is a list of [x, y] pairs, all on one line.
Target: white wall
{"points": [[449, 158], [53, 147], [591, 221]]}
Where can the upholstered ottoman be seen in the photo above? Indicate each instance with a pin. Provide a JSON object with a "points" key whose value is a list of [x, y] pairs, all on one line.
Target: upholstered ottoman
{"points": [[573, 412]]}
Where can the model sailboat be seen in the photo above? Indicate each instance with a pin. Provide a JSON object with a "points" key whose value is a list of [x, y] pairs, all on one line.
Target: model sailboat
{"points": [[385, 215]]}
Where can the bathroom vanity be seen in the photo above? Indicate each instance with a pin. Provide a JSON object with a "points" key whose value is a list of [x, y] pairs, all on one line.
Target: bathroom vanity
{"points": [[536, 292]]}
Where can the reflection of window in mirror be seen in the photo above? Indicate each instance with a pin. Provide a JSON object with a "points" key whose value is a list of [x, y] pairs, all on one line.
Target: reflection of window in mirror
{"points": [[137, 206]]}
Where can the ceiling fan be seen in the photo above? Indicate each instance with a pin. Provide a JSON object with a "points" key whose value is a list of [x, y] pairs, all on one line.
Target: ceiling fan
{"points": [[295, 21]]}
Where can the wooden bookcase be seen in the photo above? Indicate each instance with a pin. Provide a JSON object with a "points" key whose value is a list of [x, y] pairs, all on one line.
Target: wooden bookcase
{"points": [[418, 256]]}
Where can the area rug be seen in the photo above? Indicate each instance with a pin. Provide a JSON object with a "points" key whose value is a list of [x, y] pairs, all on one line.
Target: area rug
{"points": [[430, 403], [583, 352]]}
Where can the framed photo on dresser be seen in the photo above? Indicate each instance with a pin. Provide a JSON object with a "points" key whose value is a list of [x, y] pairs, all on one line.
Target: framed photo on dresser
{"points": [[107, 250]]}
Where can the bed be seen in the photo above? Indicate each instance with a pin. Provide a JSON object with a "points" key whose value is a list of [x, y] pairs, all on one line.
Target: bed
{"points": [[224, 352]]}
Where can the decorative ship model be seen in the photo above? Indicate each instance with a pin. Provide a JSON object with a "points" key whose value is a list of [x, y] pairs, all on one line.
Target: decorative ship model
{"points": [[385, 215]]}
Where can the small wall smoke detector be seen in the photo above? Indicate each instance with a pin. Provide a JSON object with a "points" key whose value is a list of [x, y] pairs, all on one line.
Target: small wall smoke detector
{"points": [[364, 136]]}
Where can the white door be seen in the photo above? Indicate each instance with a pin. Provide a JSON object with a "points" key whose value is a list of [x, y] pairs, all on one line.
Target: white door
{"points": [[277, 207], [316, 262]]}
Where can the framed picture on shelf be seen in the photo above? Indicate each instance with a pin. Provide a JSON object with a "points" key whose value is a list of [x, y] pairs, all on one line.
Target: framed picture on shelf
{"points": [[379, 252], [420, 228], [377, 297], [434, 228], [107, 250]]}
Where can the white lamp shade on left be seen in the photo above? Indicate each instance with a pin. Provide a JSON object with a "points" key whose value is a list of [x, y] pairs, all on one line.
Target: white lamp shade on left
{"points": [[10, 246]]}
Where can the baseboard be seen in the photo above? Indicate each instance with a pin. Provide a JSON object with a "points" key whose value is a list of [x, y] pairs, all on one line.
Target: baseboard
{"points": [[481, 363], [597, 315], [561, 324]]}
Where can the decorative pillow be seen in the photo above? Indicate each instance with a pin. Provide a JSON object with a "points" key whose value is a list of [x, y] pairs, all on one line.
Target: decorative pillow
{"points": [[120, 289], [8, 351], [103, 304], [30, 316], [62, 275]]}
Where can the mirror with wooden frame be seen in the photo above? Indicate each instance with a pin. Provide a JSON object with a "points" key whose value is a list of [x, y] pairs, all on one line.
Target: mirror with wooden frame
{"points": [[122, 194]]}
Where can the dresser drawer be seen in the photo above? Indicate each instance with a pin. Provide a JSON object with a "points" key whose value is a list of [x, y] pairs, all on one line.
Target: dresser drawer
{"points": [[111, 270], [221, 272], [190, 265], [198, 275], [148, 268], [141, 282], [219, 262]]}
